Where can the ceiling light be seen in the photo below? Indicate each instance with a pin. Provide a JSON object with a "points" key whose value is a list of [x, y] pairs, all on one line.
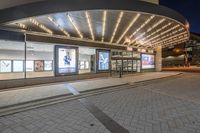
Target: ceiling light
{"points": [[58, 26], [129, 26], [35, 22], [89, 24], [104, 24], [117, 25], [74, 25]]}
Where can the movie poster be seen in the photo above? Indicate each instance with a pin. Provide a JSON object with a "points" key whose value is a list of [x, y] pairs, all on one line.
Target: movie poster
{"points": [[66, 60], [5, 66], [104, 57], [148, 61], [18, 66], [38, 65]]}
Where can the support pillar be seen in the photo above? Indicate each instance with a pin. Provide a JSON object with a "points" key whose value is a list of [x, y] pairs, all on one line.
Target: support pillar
{"points": [[158, 58]]}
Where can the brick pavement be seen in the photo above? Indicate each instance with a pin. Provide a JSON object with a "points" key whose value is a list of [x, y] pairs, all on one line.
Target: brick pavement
{"points": [[143, 111], [140, 110], [69, 117]]}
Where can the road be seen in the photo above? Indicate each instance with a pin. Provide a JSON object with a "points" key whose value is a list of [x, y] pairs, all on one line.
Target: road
{"points": [[164, 106]]}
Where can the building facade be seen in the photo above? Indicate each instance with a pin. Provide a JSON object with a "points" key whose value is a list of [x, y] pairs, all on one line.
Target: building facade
{"points": [[57, 41]]}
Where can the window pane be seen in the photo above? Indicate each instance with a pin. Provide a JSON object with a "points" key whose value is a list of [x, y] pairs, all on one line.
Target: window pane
{"points": [[39, 60], [11, 60], [87, 58]]}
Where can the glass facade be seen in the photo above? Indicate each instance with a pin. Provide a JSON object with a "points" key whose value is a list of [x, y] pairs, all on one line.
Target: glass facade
{"points": [[12, 56], [39, 60], [87, 60], [127, 61], [20, 60]]}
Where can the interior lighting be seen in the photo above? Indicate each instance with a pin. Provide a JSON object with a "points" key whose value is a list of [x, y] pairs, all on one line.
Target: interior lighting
{"points": [[89, 24], [74, 25], [58, 26], [104, 24], [116, 26], [129, 26], [35, 22]]}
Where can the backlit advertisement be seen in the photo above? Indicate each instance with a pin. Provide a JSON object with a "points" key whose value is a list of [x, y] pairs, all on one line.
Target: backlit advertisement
{"points": [[5, 66], [148, 61], [66, 60], [29, 66], [104, 57], [18, 66]]}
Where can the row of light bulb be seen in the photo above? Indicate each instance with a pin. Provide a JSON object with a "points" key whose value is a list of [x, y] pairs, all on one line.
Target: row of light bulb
{"points": [[58, 26], [144, 24], [180, 34], [155, 32], [149, 29], [89, 25], [167, 35], [74, 25], [104, 24], [129, 26], [116, 26], [41, 26]]}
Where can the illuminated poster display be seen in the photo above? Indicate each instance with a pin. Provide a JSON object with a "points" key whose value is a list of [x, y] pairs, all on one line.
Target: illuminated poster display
{"points": [[48, 65], [148, 61], [29, 66], [18, 66], [5, 66], [103, 60], [67, 62]]}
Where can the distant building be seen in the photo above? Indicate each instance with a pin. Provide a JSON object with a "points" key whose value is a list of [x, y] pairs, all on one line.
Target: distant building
{"points": [[176, 56]]}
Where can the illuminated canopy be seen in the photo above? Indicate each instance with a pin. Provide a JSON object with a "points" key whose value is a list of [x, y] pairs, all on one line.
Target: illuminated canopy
{"points": [[113, 22]]}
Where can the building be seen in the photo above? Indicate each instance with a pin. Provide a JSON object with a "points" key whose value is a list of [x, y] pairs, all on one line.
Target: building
{"points": [[179, 54], [48, 41]]}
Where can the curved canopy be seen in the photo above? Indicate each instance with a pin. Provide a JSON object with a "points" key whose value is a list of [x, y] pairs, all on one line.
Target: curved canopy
{"points": [[131, 22]]}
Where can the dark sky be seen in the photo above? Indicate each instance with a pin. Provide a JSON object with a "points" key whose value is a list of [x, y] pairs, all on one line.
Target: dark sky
{"points": [[188, 8]]}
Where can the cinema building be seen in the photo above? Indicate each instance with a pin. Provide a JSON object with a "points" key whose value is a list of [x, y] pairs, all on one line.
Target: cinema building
{"points": [[47, 41]]}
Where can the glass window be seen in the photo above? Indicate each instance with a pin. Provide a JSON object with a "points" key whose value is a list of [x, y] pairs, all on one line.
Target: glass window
{"points": [[87, 59], [40, 58], [11, 59], [116, 53], [136, 55]]}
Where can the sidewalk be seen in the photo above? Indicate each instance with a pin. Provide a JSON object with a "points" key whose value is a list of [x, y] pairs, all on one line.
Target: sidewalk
{"points": [[25, 94]]}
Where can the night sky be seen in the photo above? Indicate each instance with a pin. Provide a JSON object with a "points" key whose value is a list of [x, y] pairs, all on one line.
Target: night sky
{"points": [[188, 8]]}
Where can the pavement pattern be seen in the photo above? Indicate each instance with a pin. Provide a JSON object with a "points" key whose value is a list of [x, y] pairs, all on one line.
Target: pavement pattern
{"points": [[169, 106]]}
